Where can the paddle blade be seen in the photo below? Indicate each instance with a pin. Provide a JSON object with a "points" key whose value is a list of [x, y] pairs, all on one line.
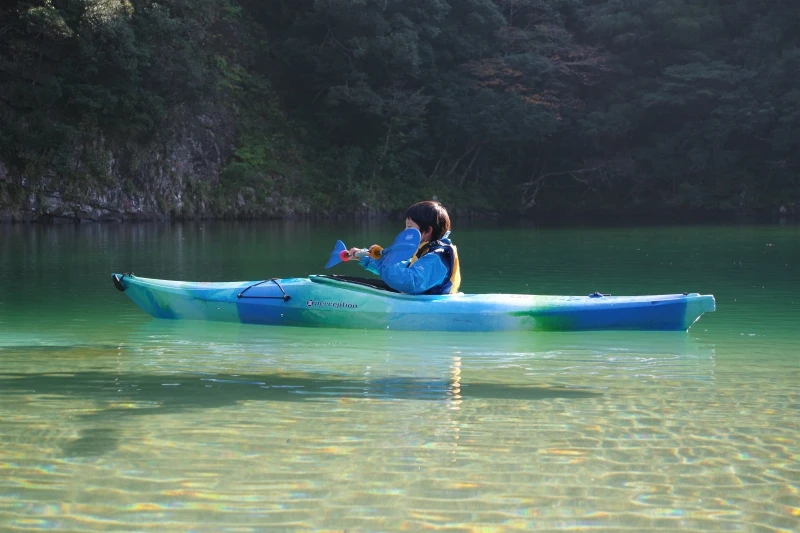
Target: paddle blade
{"points": [[336, 254], [404, 246], [408, 238]]}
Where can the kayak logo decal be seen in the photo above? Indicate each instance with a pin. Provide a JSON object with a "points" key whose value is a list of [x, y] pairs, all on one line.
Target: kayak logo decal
{"points": [[336, 305]]}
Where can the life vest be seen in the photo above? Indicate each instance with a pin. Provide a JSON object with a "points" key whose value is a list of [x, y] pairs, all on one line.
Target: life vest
{"points": [[449, 255]]}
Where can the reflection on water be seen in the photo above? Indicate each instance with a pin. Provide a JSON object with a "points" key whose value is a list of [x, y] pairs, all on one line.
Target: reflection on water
{"points": [[110, 421]]}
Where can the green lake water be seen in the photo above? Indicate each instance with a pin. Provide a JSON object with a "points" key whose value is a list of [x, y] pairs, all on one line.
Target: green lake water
{"points": [[112, 421]]}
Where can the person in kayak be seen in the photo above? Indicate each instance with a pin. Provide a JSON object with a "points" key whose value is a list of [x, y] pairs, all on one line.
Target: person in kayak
{"points": [[434, 269]]}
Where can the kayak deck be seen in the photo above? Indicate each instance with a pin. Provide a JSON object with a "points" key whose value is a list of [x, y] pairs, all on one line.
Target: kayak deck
{"points": [[334, 301]]}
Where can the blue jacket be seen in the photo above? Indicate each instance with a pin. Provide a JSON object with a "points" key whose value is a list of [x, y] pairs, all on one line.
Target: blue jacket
{"points": [[427, 272]]}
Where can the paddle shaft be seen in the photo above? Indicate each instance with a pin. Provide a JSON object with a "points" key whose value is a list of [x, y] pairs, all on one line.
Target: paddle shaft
{"points": [[375, 252]]}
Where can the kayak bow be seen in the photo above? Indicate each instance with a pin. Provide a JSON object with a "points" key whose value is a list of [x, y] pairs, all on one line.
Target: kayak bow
{"points": [[361, 303]]}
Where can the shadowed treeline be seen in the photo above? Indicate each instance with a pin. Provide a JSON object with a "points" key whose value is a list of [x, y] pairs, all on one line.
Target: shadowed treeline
{"points": [[276, 108]]}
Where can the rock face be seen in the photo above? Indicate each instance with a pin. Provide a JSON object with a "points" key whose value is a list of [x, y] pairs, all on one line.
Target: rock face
{"points": [[172, 176]]}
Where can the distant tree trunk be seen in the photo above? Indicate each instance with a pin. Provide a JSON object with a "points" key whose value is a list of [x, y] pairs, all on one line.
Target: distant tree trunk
{"points": [[472, 162], [379, 163]]}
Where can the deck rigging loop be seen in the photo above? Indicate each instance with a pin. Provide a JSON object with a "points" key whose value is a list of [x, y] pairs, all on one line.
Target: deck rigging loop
{"points": [[285, 296]]}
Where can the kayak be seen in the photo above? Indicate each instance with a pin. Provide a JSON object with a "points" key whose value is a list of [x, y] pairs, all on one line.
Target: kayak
{"points": [[362, 303]]}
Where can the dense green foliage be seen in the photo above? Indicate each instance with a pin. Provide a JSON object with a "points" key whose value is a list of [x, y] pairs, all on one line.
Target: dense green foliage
{"points": [[497, 105]]}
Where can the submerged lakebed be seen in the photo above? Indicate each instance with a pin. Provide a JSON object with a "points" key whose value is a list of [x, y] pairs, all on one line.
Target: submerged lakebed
{"points": [[111, 420]]}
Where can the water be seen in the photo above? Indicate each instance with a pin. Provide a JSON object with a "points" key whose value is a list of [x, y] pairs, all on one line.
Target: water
{"points": [[111, 421]]}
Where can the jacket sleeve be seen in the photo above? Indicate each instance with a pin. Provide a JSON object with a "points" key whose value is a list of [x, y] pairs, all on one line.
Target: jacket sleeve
{"points": [[424, 274], [370, 265]]}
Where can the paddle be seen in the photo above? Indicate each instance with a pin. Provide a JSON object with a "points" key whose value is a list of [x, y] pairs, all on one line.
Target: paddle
{"points": [[403, 247]]}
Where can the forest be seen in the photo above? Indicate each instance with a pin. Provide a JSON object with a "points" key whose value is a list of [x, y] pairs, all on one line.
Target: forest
{"points": [[184, 109]]}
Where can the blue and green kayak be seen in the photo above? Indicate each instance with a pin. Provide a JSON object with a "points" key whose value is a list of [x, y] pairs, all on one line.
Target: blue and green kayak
{"points": [[362, 303]]}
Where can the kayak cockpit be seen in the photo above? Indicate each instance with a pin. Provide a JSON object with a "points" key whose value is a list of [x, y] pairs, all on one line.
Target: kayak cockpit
{"points": [[355, 280]]}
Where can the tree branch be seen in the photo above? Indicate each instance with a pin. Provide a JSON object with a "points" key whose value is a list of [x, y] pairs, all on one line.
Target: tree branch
{"points": [[529, 197], [472, 147]]}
